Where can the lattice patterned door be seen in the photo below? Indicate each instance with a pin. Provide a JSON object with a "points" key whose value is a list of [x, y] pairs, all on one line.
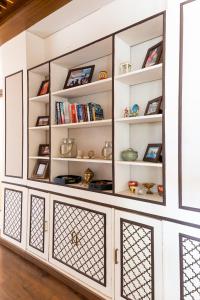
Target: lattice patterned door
{"points": [[136, 240], [81, 241], [14, 214], [38, 214]]}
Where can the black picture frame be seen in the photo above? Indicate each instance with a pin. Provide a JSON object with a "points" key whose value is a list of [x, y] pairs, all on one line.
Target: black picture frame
{"points": [[44, 123], [158, 109], [77, 81], [44, 150], [159, 47], [153, 156], [44, 88]]}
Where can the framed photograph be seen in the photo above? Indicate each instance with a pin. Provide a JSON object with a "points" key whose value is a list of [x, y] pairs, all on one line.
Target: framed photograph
{"points": [[79, 76], [153, 153], [41, 170], [44, 88], [154, 106], [44, 150], [153, 56], [42, 121]]}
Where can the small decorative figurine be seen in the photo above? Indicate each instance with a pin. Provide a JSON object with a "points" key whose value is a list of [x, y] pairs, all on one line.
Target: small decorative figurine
{"points": [[126, 113], [87, 177], [103, 75], [129, 155], [160, 189], [125, 68], [134, 111], [132, 186], [79, 154], [91, 154], [148, 186]]}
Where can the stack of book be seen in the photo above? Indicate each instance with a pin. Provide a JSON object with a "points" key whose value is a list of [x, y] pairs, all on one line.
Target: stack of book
{"points": [[75, 113]]}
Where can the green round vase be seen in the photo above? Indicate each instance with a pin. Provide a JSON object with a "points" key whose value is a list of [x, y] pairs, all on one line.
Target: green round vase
{"points": [[129, 155]]}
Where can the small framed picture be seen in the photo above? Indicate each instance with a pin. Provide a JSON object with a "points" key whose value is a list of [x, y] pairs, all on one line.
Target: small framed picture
{"points": [[44, 150], [42, 121], [79, 76], [41, 170], [153, 56], [44, 88], [154, 106], [153, 153]]}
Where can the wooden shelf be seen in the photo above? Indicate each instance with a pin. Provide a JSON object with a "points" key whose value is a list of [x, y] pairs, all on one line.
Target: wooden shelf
{"points": [[141, 76], [139, 163], [100, 123], [86, 89], [154, 197], [98, 161], [42, 99], [141, 119], [39, 157], [39, 128]]}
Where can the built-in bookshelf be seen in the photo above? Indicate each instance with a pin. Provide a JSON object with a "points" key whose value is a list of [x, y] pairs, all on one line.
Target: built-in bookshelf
{"points": [[138, 86]]}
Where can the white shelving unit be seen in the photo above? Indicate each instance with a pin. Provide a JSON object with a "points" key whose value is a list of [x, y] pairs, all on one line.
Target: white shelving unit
{"points": [[41, 99], [141, 119], [85, 124], [139, 163], [96, 161]]}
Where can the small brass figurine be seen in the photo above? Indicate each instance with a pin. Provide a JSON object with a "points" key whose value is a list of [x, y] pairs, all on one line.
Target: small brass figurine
{"points": [[103, 75], [148, 186], [87, 177]]}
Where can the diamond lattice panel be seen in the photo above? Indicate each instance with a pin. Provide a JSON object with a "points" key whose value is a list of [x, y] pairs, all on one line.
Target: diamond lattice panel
{"points": [[37, 219], [190, 268], [13, 214], [87, 256], [136, 261]]}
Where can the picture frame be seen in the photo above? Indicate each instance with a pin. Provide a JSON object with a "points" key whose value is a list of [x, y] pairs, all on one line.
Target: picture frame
{"points": [[154, 106], [42, 121], [153, 56], [79, 76], [41, 170], [153, 153], [44, 88], [44, 150]]}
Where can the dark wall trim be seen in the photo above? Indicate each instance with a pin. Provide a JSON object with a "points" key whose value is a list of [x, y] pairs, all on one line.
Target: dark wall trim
{"points": [[5, 171], [181, 205], [87, 294], [148, 215]]}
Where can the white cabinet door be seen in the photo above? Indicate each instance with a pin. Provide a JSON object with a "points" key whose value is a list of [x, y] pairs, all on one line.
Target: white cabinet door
{"points": [[81, 242], [38, 223], [138, 259], [181, 262], [14, 216]]}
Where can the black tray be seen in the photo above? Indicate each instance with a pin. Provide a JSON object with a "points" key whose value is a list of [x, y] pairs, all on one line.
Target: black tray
{"points": [[67, 179], [100, 185]]}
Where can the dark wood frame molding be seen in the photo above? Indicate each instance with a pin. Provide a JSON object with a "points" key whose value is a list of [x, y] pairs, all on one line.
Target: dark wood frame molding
{"points": [[87, 294], [181, 205], [163, 203], [22, 123]]}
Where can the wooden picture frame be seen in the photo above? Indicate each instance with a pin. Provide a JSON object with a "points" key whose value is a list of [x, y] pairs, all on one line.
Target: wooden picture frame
{"points": [[42, 121], [153, 153], [154, 107], [44, 150], [41, 170], [79, 76], [44, 88], [153, 56]]}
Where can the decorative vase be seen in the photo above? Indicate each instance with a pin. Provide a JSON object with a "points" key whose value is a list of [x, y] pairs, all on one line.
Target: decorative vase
{"points": [[107, 151], [148, 186], [68, 148], [129, 155], [160, 189], [132, 186]]}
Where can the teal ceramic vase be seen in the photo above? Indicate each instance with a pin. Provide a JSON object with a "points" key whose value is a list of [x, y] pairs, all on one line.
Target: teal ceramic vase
{"points": [[129, 155]]}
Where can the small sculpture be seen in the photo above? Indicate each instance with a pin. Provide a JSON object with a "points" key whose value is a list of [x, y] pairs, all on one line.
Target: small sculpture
{"points": [[79, 154], [125, 68], [134, 111], [87, 177], [160, 189], [91, 154], [132, 186], [126, 113], [103, 75]]}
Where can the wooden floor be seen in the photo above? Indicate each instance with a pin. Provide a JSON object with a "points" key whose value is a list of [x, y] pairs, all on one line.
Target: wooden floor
{"points": [[21, 280]]}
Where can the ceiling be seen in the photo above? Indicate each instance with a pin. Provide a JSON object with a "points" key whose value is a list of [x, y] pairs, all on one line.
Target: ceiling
{"points": [[67, 15], [7, 7]]}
